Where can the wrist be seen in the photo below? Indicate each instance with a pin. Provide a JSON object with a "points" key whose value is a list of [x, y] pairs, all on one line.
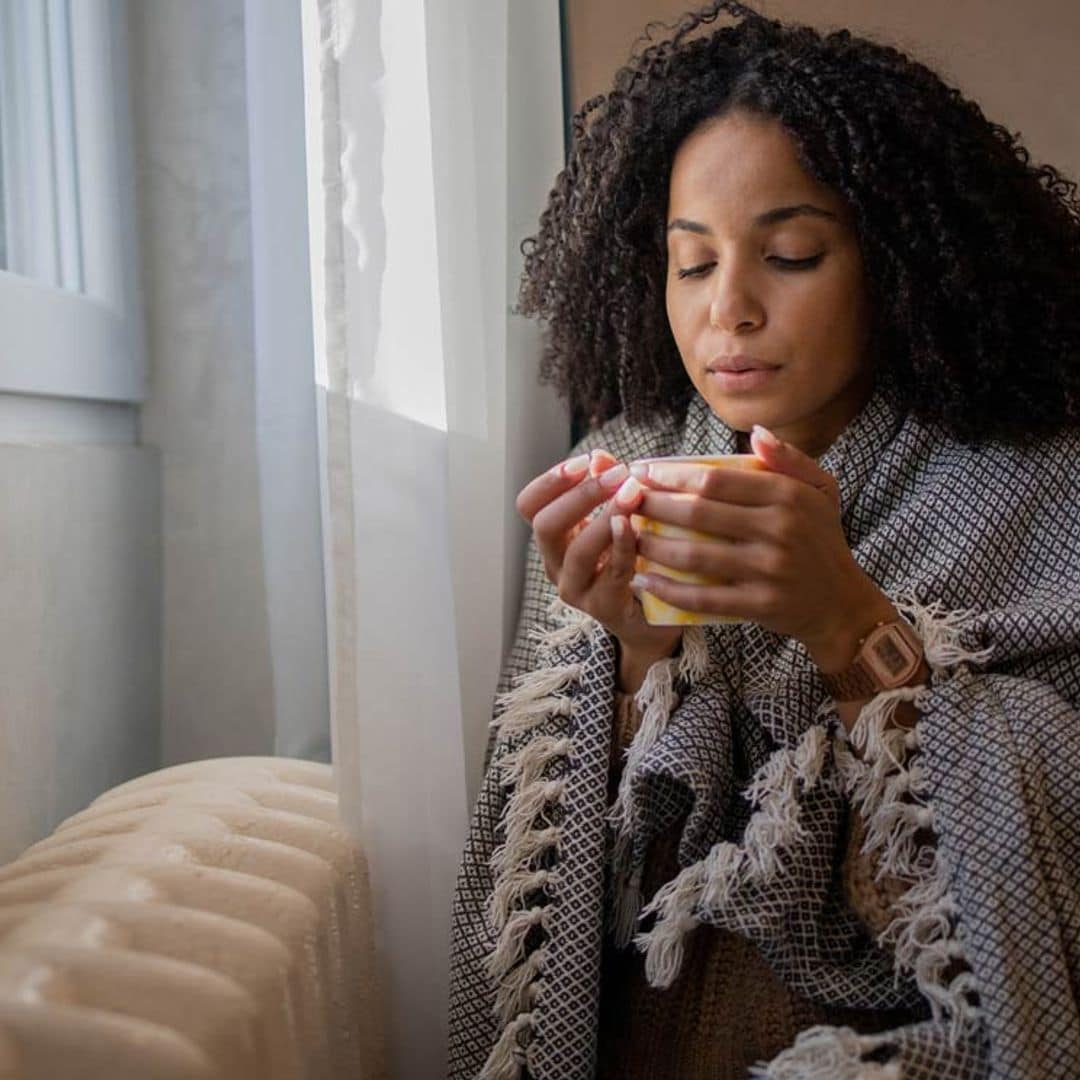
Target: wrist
{"points": [[632, 665], [834, 646]]}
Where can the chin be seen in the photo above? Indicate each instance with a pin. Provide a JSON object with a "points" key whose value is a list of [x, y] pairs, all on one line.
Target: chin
{"points": [[743, 417]]}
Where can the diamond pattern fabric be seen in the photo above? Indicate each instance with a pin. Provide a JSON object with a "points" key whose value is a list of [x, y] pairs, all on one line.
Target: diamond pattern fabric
{"points": [[979, 547]]}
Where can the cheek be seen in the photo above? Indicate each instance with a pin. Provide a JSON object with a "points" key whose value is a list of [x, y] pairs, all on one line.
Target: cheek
{"points": [[678, 314], [833, 313]]}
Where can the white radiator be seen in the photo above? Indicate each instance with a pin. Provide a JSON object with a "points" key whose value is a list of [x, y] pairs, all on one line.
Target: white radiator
{"points": [[205, 921]]}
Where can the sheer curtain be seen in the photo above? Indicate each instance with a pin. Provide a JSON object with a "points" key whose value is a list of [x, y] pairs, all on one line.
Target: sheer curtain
{"points": [[434, 132]]}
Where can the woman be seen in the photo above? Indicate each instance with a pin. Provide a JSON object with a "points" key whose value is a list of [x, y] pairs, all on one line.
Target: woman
{"points": [[841, 837]]}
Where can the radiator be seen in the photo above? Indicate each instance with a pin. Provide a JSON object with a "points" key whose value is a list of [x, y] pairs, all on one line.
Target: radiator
{"points": [[204, 921]]}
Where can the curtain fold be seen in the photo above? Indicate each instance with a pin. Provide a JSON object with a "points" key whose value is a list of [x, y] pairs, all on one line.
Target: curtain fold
{"points": [[430, 419]]}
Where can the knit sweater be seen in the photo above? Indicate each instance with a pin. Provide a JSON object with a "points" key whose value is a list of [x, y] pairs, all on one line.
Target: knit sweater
{"points": [[728, 1009]]}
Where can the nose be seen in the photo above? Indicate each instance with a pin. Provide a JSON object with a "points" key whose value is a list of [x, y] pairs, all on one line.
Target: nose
{"points": [[733, 306]]}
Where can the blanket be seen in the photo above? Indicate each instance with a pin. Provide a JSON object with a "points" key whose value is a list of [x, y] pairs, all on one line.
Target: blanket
{"points": [[978, 546]]}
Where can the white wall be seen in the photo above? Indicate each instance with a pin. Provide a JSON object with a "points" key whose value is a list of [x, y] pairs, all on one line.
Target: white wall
{"points": [[79, 634]]}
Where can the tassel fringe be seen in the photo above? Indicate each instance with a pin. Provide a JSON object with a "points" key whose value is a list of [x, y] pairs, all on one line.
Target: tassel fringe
{"points": [[889, 787], [940, 632], [530, 832], [571, 626], [709, 884], [536, 696], [829, 1053], [656, 699], [507, 1057]]}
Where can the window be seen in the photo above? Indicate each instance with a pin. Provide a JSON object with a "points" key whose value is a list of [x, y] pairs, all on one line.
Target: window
{"points": [[71, 352]]}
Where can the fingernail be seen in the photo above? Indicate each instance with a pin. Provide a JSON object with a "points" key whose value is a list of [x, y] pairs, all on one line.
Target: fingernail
{"points": [[639, 581], [766, 436], [664, 475], [618, 526], [613, 477], [628, 492], [576, 466], [639, 470]]}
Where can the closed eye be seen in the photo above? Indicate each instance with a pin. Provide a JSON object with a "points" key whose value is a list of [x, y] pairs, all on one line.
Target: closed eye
{"points": [[776, 260], [695, 271], [797, 264]]}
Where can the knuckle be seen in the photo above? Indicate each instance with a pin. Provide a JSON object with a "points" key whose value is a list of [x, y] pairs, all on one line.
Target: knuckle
{"points": [[692, 558], [695, 512], [790, 493], [542, 524], [773, 562], [705, 481], [768, 601], [785, 524]]}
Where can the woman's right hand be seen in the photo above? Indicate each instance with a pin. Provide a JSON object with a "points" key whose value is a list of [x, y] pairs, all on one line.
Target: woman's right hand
{"points": [[591, 562]]}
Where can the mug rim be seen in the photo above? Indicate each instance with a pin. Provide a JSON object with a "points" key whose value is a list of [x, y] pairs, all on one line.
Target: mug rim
{"points": [[691, 458]]}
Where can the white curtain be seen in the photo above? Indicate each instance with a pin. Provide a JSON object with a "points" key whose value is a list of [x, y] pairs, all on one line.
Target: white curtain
{"points": [[434, 132]]}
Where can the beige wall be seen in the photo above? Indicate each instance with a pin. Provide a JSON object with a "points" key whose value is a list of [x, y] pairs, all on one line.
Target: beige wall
{"points": [[1018, 61]]}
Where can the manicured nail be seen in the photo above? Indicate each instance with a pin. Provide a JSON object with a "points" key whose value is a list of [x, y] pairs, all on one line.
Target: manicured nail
{"points": [[576, 466], [628, 492], [665, 475], [613, 477], [766, 436], [618, 526]]}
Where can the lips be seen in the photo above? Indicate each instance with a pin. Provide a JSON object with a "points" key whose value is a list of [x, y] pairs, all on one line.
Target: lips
{"points": [[739, 363]]}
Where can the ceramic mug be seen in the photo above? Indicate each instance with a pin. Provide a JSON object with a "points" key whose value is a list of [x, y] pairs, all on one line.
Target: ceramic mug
{"points": [[658, 612]]}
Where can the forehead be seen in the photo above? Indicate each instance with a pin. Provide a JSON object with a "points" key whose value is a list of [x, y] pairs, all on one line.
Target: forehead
{"points": [[733, 168]]}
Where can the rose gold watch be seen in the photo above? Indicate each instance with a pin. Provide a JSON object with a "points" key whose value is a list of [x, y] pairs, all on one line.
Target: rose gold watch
{"points": [[888, 656]]}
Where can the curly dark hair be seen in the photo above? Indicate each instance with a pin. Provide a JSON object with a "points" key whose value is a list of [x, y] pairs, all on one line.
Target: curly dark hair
{"points": [[972, 254]]}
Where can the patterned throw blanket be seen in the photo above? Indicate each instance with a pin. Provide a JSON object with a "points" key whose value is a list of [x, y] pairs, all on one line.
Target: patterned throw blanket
{"points": [[979, 547]]}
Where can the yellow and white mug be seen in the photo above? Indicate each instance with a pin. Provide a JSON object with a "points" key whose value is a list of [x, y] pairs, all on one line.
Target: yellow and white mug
{"points": [[658, 612]]}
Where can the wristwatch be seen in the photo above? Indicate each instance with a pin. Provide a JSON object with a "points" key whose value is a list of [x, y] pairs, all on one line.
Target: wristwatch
{"points": [[888, 656]]}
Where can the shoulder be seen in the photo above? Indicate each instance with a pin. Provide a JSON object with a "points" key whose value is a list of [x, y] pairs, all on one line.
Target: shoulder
{"points": [[1042, 464], [629, 441]]}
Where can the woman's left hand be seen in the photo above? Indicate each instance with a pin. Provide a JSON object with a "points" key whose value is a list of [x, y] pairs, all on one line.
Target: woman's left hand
{"points": [[776, 541]]}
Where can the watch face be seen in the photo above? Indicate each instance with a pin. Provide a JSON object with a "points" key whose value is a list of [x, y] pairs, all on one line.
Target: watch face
{"points": [[891, 656]]}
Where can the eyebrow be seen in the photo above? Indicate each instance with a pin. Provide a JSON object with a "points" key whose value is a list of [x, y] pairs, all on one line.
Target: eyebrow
{"points": [[770, 217]]}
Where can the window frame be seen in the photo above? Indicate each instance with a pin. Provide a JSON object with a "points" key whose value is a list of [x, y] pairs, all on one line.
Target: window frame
{"points": [[88, 345]]}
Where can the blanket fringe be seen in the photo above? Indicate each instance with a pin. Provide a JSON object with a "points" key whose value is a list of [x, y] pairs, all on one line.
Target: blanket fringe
{"points": [[571, 625], [829, 1053], [510, 891], [526, 764], [536, 696], [709, 884], [507, 1057], [523, 887], [890, 789], [656, 699], [940, 631]]}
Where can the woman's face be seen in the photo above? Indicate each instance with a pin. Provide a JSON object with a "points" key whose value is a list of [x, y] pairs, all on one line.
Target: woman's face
{"points": [[750, 276]]}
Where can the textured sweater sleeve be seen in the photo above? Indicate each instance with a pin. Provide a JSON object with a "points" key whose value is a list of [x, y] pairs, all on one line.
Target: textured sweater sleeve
{"points": [[870, 897]]}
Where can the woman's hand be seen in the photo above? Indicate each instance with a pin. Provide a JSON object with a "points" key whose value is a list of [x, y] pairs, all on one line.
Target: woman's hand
{"points": [[591, 562], [777, 544]]}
